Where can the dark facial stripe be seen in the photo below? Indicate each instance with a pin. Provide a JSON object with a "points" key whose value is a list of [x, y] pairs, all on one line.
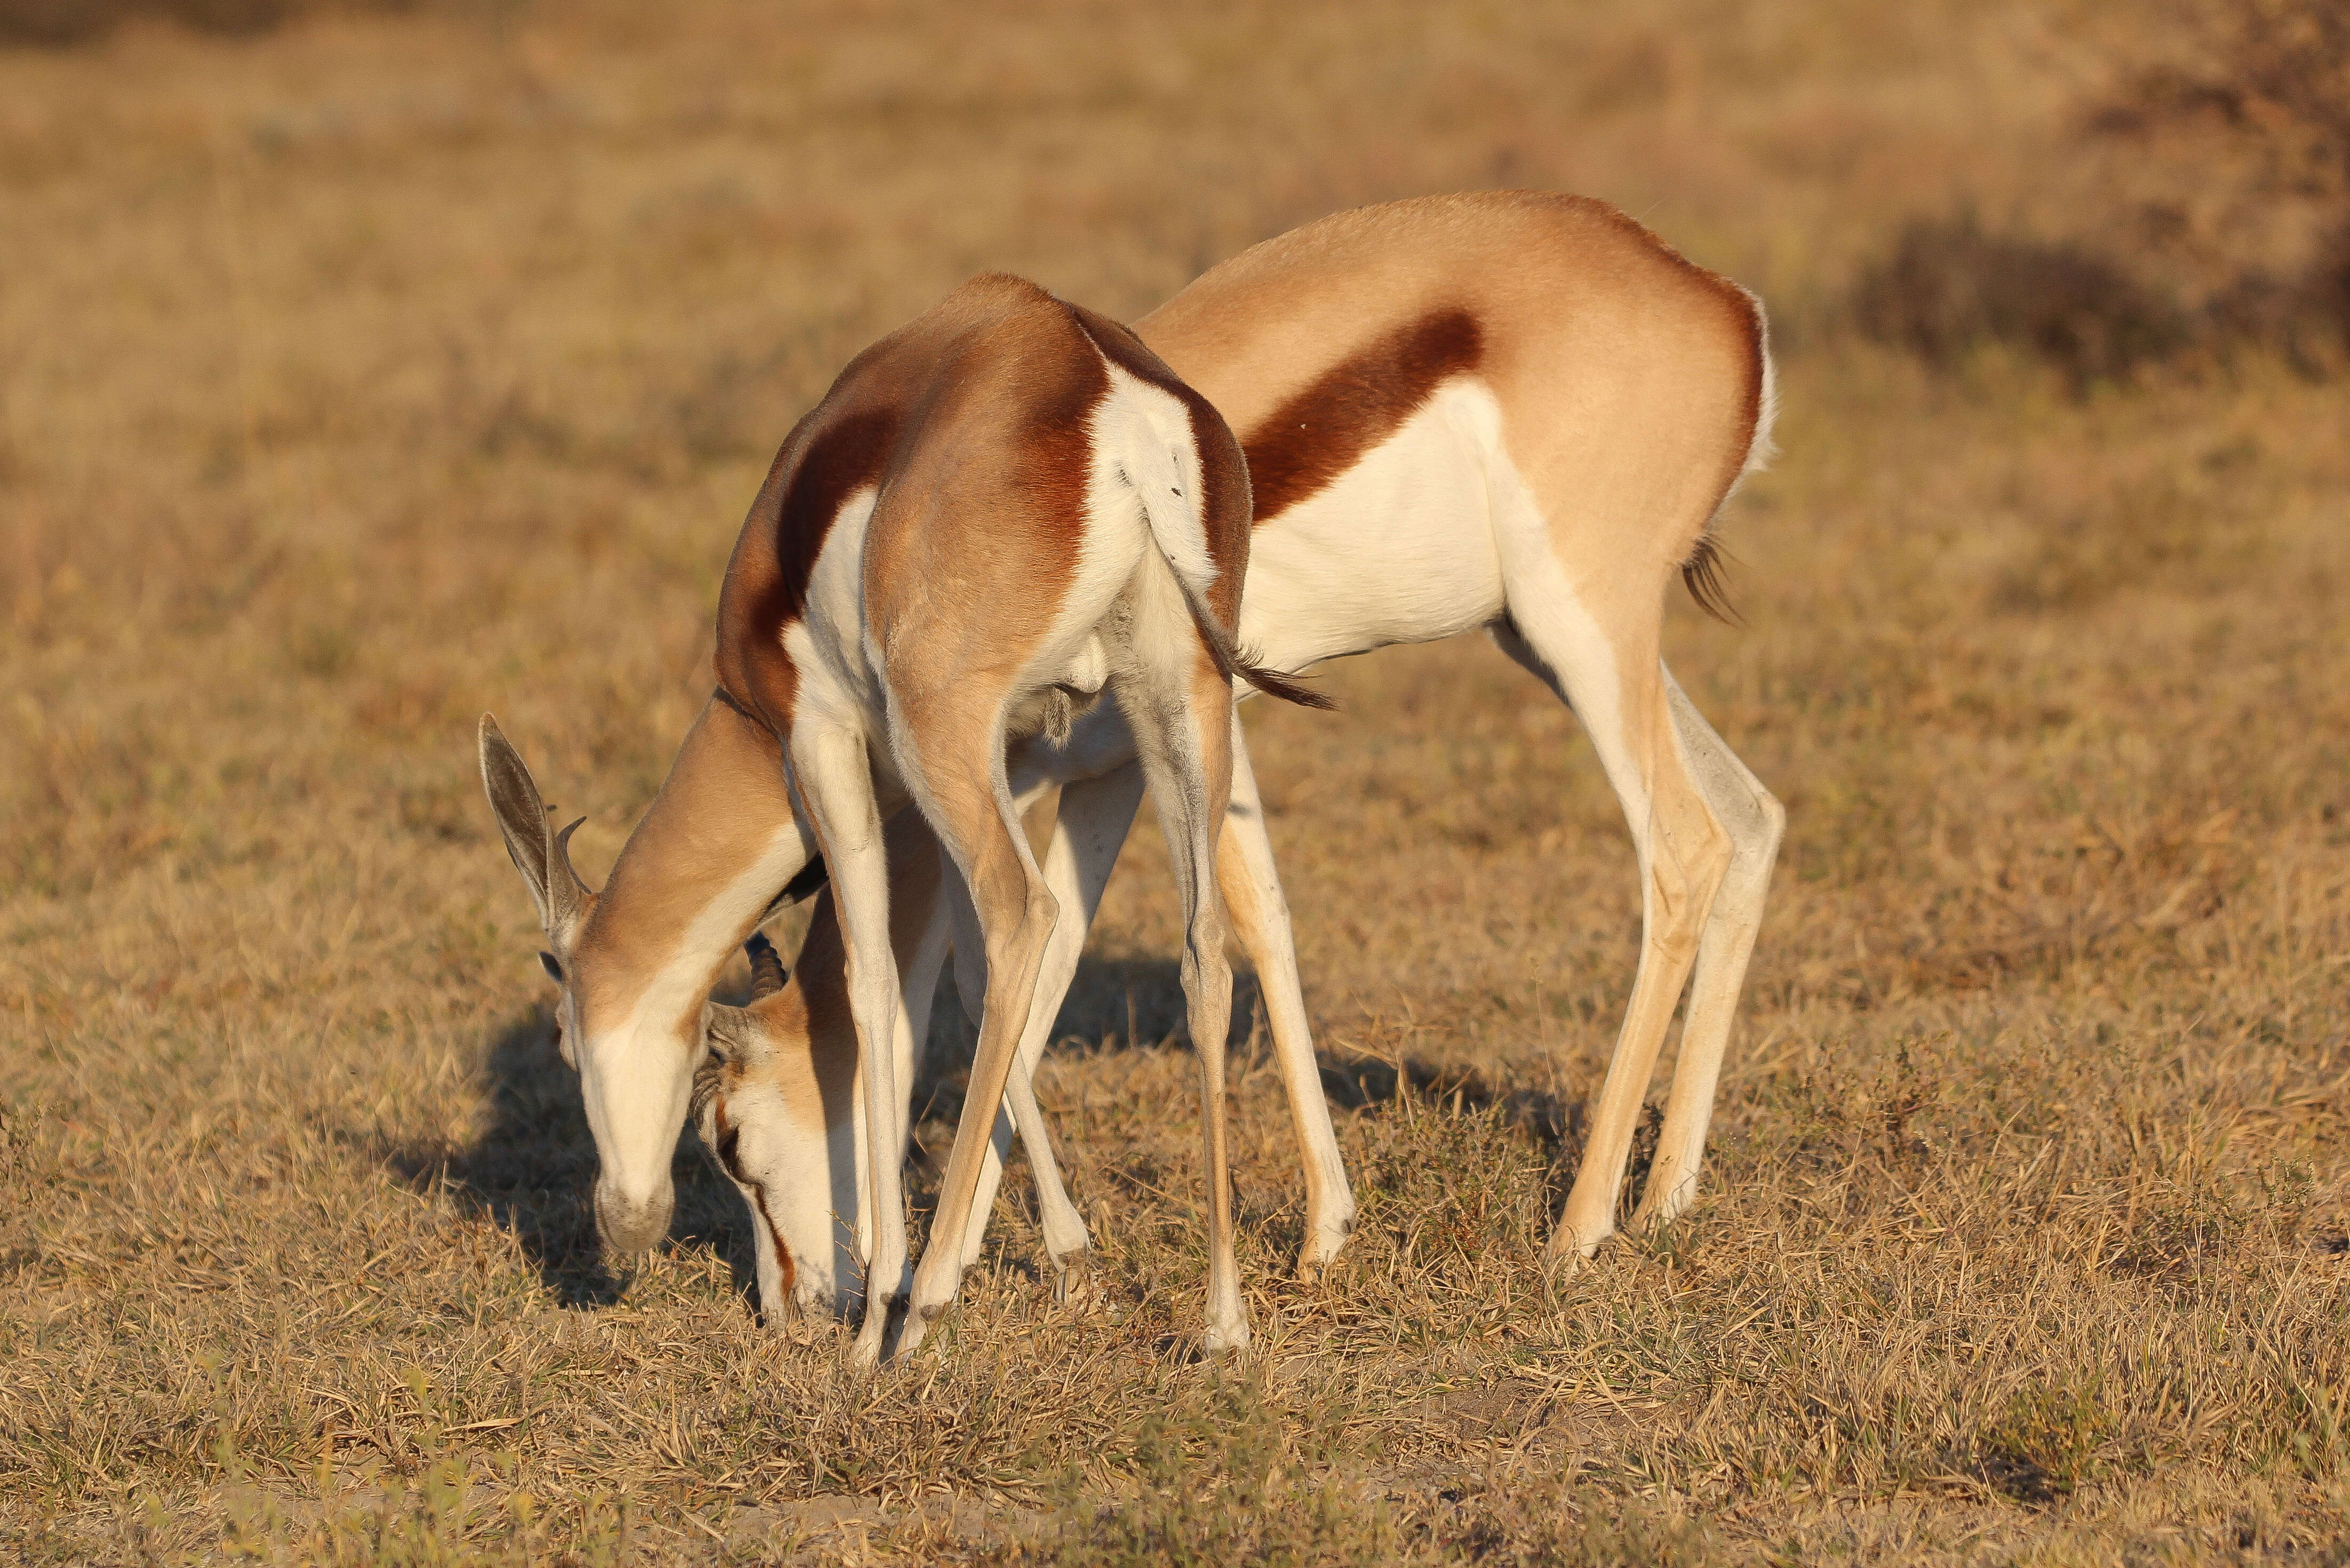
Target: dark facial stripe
{"points": [[730, 1139], [1324, 430], [790, 1271], [766, 583]]}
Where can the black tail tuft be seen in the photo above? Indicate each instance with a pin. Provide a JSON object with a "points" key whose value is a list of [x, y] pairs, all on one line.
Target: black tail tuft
{"points": [[1235, 664], [1273, 683], [1701, 574]]}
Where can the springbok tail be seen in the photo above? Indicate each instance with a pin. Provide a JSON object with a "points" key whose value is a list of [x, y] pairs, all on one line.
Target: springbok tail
{"points": [[1702, 573], [1182, 541], [1235, 662]]}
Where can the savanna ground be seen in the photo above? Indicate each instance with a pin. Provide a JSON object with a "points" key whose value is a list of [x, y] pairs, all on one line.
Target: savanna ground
{"points": [[368, 370]]}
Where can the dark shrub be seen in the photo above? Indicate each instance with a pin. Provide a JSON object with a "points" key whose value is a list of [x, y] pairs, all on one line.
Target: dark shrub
{"points": [[1948, 286], [58, 23], [2244, 123]]}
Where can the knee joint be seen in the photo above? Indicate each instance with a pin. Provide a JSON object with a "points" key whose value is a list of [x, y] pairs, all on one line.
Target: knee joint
{"points": [[1686, 869]]}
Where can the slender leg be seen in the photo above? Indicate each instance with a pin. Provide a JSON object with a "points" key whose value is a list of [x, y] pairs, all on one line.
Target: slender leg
{"points": [[1260, 918], [970, 990], [1087, 833], [830, 771], [1617, 687], [1755, 820], [970, 808], [1184, 738], [1065, 1229]]}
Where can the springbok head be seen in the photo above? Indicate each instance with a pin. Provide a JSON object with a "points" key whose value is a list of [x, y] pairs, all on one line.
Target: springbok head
{"points": [[543, 855], [634, 1087], [777, 1117]]}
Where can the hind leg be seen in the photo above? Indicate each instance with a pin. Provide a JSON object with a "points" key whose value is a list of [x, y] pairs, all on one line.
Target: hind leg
{"points": [[1615, 681], [830, 775], [1179, 708], [1088, 832], [1260, 918], [964, 793], [1755, 820]]}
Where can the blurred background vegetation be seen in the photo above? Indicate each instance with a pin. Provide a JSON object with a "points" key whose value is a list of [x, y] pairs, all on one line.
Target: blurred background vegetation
{"points": [[2186, 185]]}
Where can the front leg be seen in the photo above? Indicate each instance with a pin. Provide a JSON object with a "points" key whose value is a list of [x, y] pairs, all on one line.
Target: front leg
{"points": [[830, 775]]}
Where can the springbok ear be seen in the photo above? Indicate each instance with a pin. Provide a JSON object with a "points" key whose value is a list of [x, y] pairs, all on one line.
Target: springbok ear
{"points": [[538, 852], [522, 816]]}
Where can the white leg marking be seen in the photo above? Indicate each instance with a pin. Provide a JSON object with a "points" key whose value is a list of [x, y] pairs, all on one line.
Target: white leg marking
{"points": [[828, 765], [1245, 857]]}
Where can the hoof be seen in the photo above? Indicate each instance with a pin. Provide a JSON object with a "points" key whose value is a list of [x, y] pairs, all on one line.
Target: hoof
{"points": [[1325, 1239], [1566, 1254], [917, 1327], [873, 1333], [1071, 1271], [1320, 1255]]}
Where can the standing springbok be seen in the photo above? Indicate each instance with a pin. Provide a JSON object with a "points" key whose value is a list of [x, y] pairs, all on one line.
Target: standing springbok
{"points": [[1510, 411], [998, 513]]}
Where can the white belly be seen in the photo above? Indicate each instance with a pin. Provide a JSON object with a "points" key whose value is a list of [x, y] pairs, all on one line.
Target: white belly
{"points": [[1397, 549]]}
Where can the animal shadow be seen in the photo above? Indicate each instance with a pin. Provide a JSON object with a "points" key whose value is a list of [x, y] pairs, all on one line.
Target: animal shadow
{"points": [[530, 1168]]}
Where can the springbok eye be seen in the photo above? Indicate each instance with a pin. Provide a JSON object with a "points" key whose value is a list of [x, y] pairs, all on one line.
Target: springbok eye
{"points": [[554, 969]]}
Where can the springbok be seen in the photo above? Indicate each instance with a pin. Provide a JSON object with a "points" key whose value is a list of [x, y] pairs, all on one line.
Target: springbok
{"points": [[1512, 410], [997, 514]]}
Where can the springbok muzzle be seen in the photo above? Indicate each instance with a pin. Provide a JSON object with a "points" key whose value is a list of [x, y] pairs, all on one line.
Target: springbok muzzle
{"points": [[631, 1228]]}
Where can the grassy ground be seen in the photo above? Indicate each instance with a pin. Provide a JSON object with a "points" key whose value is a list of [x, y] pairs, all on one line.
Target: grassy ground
{"points": [[365, 375]]}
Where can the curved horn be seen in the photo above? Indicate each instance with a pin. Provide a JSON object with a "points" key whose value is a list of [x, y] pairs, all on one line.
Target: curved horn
{"points": [[767, 973]]}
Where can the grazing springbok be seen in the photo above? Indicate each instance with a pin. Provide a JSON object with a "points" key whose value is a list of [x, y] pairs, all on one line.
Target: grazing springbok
{"points": [[1508, 410], [997, 514]]}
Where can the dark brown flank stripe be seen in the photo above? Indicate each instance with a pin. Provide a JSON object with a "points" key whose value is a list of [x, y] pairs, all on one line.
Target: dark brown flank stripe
{"points": [[1321, 432], [766, 583], [1057, 471]]}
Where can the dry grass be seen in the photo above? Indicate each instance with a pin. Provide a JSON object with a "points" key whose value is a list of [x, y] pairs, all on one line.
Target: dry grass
{"points": [[381, 370]]}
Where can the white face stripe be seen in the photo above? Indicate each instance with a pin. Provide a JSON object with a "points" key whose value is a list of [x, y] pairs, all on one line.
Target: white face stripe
{"points": [[637, 1076]]}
